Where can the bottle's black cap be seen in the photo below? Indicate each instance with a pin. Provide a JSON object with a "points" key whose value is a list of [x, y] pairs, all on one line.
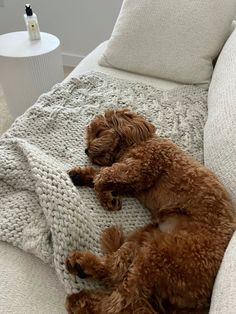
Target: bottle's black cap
{"points": [[28, 10]]}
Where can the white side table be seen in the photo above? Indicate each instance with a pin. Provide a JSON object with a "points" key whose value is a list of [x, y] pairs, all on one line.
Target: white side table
{"points": [[28, 68]]}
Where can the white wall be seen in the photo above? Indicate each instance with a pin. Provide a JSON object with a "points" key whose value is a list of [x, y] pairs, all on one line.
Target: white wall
{"points": [[80, 24]]}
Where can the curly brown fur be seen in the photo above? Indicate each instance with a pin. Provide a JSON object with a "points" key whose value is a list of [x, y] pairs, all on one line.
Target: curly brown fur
{"points": [[111, 239], [168, 266]]}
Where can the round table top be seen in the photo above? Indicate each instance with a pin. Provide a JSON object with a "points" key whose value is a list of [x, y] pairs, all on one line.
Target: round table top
{"points": [[18, 44]]}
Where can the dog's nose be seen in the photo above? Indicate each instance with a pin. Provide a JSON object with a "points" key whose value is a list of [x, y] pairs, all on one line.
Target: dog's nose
{"points": [[86, 151]]}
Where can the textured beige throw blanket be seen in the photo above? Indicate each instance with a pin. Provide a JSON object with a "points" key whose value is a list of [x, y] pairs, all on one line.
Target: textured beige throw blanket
{"points": [[40, 210]]}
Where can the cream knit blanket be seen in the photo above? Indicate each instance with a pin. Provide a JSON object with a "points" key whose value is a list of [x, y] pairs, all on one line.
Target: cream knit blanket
{"points": [[40, 210]]}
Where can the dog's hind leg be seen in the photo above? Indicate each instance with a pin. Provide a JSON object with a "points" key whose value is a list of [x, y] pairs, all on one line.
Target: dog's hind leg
{"points": [[134, 287], [90, 302], [109, 269], [85, 302], [112, 239]]}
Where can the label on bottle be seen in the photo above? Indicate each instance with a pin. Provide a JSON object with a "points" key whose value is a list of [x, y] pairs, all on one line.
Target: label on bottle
{"points": [[33, 30]]}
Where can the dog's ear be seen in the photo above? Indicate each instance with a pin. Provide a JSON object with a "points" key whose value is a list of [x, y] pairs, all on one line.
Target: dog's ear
{"points": [[131, 127]]}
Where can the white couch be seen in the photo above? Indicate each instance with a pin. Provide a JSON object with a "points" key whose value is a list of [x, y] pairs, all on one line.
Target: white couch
{"points": [[28, 286]]}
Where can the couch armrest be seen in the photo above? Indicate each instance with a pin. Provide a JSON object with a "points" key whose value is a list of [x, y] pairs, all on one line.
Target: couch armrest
{"points": [[220, 129], [220, 156]]}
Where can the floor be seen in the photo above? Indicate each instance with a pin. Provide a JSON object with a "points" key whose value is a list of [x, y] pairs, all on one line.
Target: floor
{"points": [[5, 116]]}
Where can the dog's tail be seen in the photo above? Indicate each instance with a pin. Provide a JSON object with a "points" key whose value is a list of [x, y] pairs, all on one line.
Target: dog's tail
{"points": [[111, 239]]}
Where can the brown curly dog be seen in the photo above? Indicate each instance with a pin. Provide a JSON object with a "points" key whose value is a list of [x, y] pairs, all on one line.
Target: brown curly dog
{"points": [[168, 266]]}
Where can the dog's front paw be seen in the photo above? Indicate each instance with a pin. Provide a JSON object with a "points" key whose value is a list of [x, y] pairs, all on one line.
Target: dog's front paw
{"points": [[110, 201], [76, 176], [116, 202], [82, 176]]}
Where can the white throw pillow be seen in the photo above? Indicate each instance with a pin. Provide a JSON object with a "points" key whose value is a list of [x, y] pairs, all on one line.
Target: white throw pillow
{"points": [[170, 39]]}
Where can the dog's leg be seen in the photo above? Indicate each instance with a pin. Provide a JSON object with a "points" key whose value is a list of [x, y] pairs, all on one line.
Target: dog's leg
{"points": [[90, 302], [131, 294], [134, 287], [165, 266], [83, 176], [169, 266], [112, 239], [112, 267], [122, 178], [146, 276], [85, 302]]}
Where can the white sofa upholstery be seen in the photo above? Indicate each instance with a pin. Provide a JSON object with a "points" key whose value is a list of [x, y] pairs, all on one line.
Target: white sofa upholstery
{"points": [[220, 129], [27, 286], [220, 156]]}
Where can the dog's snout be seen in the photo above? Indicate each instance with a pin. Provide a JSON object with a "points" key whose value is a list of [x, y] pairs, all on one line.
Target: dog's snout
{"points": [[86, 151]]}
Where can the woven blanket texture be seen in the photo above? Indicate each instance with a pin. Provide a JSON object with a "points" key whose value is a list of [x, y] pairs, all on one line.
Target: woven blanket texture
{"points": [[41, 211]]}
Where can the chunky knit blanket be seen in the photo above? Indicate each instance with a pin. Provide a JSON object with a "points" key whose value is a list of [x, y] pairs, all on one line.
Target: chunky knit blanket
{"points": [[41, 211]]}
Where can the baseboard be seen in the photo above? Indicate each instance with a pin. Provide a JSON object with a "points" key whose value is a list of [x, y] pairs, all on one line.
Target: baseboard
{"points": [[71, 60]]}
